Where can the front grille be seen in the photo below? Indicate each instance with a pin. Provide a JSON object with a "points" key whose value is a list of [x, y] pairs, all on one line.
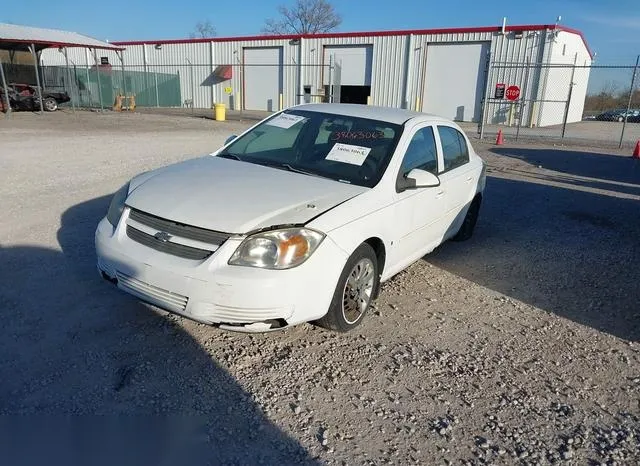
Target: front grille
{"points": [[168, 247], [179, 229], [163, 298]]}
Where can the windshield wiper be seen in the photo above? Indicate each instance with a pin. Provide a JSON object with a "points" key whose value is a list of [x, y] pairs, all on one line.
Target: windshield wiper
{"points": [[228, 155], [286, 166], [291, 168]]}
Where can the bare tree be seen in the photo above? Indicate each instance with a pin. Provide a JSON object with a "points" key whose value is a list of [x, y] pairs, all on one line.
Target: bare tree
{"points": [[203, 29], [304, 17]]}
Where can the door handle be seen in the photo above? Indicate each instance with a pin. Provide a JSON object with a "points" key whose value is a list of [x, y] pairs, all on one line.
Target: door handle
{"points": [[468, 180], [439, 194]]}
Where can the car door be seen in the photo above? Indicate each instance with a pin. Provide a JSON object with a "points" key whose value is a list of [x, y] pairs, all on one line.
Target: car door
{"points": [[458, 174], [418, 212]]}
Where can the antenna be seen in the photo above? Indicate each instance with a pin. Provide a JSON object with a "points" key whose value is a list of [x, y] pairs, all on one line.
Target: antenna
{"points": [[504, 25], [558, 19]]}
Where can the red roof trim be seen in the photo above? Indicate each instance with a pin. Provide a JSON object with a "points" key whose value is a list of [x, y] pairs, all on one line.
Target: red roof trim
{"points": [[529, 27]]}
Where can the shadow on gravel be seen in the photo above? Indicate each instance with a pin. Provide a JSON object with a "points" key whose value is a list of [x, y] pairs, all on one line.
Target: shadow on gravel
{"points": [[73, 344], [570, 252], [608, 170]]}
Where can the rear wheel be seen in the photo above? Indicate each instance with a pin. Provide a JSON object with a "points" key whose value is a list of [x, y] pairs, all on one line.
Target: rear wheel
{"points": [[469, 222], [50, 104], [355, 291]]}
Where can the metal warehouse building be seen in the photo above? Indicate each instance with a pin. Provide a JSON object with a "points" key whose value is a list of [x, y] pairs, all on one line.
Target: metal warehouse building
{"points": [[443, 71]]}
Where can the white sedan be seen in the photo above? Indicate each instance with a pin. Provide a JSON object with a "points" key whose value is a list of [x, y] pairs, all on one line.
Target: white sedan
{"points": [[298, 219]]}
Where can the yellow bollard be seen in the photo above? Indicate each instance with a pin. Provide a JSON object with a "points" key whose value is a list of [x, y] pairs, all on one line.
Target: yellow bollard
{"points": [[220, 112], [281, 102], [534, 115]]}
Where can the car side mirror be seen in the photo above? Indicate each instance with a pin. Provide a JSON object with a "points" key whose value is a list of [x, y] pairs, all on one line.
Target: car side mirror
{"points": [[416, 179], [229, 139]]}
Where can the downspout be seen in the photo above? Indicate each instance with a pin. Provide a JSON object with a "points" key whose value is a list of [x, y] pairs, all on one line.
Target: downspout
{"points": [[409, 70], [212, 56], [145, 70], [300, 71]]}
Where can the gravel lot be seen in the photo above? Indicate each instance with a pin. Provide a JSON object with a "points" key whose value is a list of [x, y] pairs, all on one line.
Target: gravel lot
{"points": [[520, 346]]}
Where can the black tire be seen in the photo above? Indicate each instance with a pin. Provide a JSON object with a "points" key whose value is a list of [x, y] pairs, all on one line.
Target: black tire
{"points": [[50, 104], [469, 222], [341, 317]]}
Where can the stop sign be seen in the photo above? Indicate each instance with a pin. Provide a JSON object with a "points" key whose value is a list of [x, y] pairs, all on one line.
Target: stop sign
{"points": [[513, 92]]}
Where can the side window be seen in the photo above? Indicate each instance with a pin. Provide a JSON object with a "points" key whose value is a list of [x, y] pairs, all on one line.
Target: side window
{"points": [[421, 153], [454, 147]]}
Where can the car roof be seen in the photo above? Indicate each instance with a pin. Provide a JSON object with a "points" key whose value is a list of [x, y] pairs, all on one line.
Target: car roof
{"points": [[391, 115]]}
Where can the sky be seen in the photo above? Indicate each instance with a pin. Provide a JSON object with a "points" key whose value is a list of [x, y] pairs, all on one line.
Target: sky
{"points": [[611, 27]]}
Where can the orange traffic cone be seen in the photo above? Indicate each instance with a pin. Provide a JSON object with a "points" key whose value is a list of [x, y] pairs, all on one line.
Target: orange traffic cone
{"points": [[500, 138], [636, 151]]}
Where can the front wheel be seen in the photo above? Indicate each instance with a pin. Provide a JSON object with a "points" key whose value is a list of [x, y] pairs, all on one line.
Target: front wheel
{"points": [[50, 104], [355, 291]]}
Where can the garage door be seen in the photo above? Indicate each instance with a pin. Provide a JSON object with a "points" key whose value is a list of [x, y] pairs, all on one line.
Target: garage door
{"points": [[454, 80], [262, 84], [355, 62]]}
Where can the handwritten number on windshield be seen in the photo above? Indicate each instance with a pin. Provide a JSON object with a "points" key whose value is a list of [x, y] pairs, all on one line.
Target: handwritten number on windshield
{"points": [[357, 135]]}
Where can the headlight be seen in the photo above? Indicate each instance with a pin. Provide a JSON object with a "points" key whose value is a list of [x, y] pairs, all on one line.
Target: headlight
{"points": [[278, 249], [117, 205]]}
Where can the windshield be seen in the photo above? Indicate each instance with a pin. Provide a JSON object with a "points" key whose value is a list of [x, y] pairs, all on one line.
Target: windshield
{"points": [[343, 148]]}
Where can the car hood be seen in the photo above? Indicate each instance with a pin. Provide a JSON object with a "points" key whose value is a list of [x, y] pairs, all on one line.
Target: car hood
{"points": [[234, 197]]}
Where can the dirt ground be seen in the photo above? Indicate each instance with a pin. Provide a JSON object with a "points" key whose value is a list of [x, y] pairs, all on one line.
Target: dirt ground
{"points": [[520, 346]]}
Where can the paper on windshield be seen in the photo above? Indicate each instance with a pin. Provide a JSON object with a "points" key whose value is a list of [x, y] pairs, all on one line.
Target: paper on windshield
{"points": [[347, 153], [285, 121]]}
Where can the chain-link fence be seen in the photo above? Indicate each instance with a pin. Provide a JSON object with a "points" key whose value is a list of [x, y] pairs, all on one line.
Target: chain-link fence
{"points": [[571, 103], [248, 86], [577, 103]]}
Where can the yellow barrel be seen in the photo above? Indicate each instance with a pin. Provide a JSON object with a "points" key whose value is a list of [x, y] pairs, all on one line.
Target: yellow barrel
{"points": [[220, 112]]}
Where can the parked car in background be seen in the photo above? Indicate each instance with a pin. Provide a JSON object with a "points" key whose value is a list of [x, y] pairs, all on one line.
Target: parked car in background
{"points": [[25, 97], [634, 118], [618, 114], [298, 219]]}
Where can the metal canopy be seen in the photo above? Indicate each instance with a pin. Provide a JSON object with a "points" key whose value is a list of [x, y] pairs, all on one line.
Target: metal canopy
{"points": [[34, 40], [15, 37]]}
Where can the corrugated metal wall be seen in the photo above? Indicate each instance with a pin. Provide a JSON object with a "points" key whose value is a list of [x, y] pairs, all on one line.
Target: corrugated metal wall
{"points": [[231, 53], [398, 68], [420, 49], [509, 56]]}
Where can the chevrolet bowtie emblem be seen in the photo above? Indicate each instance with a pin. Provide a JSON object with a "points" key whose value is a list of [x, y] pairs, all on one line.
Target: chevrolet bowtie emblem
{"points": [[162, 236]]}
